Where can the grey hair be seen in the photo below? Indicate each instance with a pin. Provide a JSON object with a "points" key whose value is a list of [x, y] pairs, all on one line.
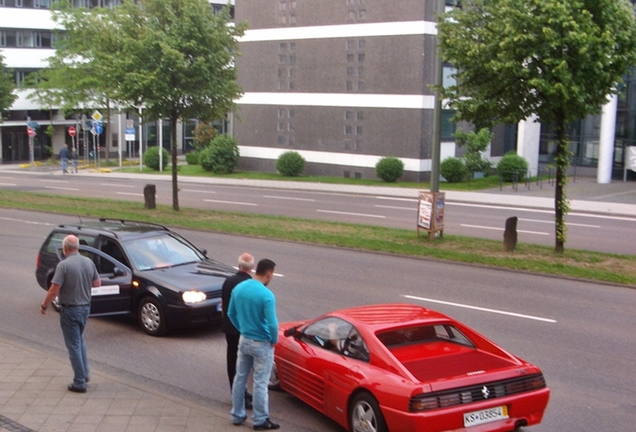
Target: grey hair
{"points": [[246, 262], [70, 242]]}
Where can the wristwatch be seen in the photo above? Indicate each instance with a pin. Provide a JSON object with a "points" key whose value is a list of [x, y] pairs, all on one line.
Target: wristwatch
{"points": [[43, 307]]}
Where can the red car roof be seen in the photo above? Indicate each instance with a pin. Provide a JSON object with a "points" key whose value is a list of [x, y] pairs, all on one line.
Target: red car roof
{"points": [[389, 315]]}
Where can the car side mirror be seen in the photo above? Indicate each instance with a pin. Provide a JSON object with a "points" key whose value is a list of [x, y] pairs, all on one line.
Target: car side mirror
{"points": [[204, 252], [292, 331], [119, 272]]}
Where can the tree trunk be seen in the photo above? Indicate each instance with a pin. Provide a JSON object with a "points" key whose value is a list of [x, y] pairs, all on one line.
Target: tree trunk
{"points": [[562, 162], [173, 146]]}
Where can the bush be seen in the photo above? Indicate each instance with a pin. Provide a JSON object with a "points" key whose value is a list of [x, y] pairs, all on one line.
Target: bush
{"points": [[290, 164], [221, 157], [151, 158], [192, 158], [453, 169], [389, 169], [510, 164]]}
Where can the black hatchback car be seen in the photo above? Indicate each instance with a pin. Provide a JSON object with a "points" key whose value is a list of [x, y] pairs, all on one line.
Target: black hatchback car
{"points": [[146, 270]]}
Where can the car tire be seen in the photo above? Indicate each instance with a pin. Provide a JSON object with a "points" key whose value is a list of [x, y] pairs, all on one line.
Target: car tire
{"points": [[365, 414], [274, 382], [152, 317]]}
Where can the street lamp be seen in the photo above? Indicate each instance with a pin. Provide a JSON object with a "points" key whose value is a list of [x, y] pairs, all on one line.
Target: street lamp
{"points": [[437, 112]]}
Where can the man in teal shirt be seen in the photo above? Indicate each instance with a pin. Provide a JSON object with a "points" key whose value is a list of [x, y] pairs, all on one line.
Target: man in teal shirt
{"points": [[253, 312]]}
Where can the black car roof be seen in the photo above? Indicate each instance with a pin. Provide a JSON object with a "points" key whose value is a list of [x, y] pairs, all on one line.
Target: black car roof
{"points": [[118, 228]]}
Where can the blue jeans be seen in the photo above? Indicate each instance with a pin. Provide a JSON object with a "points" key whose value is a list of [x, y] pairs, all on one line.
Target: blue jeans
{"points": [[64, 165], [258, 356], [73, 322]]}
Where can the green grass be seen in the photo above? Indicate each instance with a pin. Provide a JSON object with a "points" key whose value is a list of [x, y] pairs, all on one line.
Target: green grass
{"points": [[597, 266]]}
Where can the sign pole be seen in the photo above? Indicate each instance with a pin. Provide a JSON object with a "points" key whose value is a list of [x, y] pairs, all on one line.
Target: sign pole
{"points": [[141, 141]]}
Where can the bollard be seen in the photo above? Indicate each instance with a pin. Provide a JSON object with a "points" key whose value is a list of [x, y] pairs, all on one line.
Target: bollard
{"points": [[149, 196], [510, 234]]}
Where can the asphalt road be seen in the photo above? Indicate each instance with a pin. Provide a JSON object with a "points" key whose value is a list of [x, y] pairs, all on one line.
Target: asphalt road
{"points": [[604, 233], [579, 333]]}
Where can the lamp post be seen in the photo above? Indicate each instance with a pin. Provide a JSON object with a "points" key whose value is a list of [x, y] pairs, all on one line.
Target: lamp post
{"points": [[437, 113]]}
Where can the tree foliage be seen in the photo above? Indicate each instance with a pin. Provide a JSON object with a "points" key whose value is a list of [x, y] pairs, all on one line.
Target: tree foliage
{"points": [[556, 59], [476, 144], [174, 58], [7, 87]]}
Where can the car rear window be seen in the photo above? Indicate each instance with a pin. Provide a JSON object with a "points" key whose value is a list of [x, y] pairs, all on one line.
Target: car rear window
{"points": [[423, 334], [55, 241]]}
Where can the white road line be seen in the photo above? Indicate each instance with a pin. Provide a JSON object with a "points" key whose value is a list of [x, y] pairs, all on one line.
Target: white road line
{"points": [[8, 184], [61, 188], [117, 185], [6, 178], [130, 193], [398, 199], [231, 202], [289, 198], [198, 191], [501, 229], [54, 181], [480, 308], [26, 221], [352, 214], [275, 274], [394, 207], [567, 223]]}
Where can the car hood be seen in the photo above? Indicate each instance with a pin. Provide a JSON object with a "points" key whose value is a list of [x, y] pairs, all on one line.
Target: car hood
{"points": [[207, 275]]}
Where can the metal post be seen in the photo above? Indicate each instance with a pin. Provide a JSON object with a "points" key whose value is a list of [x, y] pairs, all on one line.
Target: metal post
{"points": [[140, 142], [160, 144], [437, 113]]}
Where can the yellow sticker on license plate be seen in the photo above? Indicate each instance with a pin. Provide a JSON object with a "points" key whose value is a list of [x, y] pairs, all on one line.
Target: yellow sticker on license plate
{"points": [[485, 416]]}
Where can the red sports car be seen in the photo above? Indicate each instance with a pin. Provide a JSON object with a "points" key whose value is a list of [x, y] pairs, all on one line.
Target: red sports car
{"points": [[401, 368]]}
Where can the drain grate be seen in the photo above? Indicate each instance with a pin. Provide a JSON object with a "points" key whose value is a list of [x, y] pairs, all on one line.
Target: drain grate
{"points": [[12, 426]]}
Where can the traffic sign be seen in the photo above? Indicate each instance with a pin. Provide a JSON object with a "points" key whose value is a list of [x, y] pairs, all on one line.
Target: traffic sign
{"points": [[97, 116], [30, 131], [130, 134], [98, 128], [71, 131]]}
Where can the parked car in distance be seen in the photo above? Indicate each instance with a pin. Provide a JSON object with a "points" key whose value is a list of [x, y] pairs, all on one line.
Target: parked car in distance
{"points": [[146, 270], [405, 368]]}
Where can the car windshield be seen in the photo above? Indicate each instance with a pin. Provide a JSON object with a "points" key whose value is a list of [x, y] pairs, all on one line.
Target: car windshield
{"points": [[160, 252]]}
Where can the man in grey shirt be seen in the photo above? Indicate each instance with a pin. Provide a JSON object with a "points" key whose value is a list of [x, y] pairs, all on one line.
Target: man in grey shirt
{"points": [[72, 283]]}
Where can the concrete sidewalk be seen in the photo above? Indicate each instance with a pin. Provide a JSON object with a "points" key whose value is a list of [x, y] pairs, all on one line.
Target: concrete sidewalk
{"points": [[33, 397]]}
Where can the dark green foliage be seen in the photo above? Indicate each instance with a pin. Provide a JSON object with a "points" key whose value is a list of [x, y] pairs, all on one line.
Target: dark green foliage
{"points": [[453, 170], [512, 167], [151, 158], [222, 156], [192, 158], [290, 164], [476, 144], [389, 169]]}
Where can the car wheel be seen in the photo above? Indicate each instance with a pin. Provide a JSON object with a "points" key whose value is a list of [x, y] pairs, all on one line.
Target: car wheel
{"points": [[151, 316], [274, 382], [365, 415]]}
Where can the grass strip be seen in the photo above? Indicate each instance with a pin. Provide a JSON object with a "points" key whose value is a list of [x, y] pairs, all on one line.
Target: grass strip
{"points": [[580, 264]]}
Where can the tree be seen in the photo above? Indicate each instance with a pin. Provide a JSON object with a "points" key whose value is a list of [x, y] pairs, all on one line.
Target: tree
{"points": [[7, 87], [177, 59], [476, 143], [556, 59]]}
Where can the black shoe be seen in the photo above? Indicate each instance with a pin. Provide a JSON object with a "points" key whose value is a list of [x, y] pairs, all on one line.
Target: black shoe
{"points": [[268, 425], [73, 388]]}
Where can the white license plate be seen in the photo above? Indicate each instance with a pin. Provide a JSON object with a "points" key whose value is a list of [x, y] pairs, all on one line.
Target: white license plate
{"points": [[485, 416]]}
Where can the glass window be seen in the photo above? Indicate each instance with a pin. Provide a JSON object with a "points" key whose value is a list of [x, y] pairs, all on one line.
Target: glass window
{"points": [[3, 38], [448, 127], [160, 252], [359, 116], [350, 44], [361, 57], [348, 115], [337, 335]]}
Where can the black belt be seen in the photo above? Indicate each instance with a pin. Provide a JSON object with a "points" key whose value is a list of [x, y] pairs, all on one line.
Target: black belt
{"points": [[72, 306]]}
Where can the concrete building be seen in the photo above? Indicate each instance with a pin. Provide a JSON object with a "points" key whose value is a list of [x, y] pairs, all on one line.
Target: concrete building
{"points": [[347, 82]]}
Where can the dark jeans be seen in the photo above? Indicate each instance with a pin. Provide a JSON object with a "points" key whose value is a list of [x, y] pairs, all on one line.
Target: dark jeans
{"points": [[73, 322], [231, 355]]}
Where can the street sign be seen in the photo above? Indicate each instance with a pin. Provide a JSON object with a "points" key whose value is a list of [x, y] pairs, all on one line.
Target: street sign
{"points": [[97, 116], [71, 131], [98, 128], [31, 131], [130, 134]]}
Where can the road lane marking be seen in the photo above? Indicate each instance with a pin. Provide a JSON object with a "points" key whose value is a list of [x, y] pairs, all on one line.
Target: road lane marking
{"points": [[117, 185], [231, 202], [398, 199], [197, 191], [26, 221], [501, 229], [289, 198], [394, 207], [465, 306], [275, 274], [129, 193], [8, 184], [54, 181], [6, 178], [61, 188], [567, 223], [352, 214]]}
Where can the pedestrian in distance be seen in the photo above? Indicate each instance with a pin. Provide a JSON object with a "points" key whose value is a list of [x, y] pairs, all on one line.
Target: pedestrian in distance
{"points": [[253, 312], [245, 268], [64, 156], [75, 159], [72, 282]]}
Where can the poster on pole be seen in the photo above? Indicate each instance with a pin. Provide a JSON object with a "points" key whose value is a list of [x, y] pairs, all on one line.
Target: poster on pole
{"points": [[631, 158], [430, 215]]}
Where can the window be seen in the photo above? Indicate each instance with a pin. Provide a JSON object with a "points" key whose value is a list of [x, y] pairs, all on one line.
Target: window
{"points": [[3, 38], [360, 85], [282, 59], [448, 127], [350, 44], [349, 85], [349, 71], [348, 115], [350, 58], [283, 47], [337, 335], [361, 57], [348, 130], [360, 71], [361, 44], [290, 113], [358, 130], [359, 116], [281, 113]]}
